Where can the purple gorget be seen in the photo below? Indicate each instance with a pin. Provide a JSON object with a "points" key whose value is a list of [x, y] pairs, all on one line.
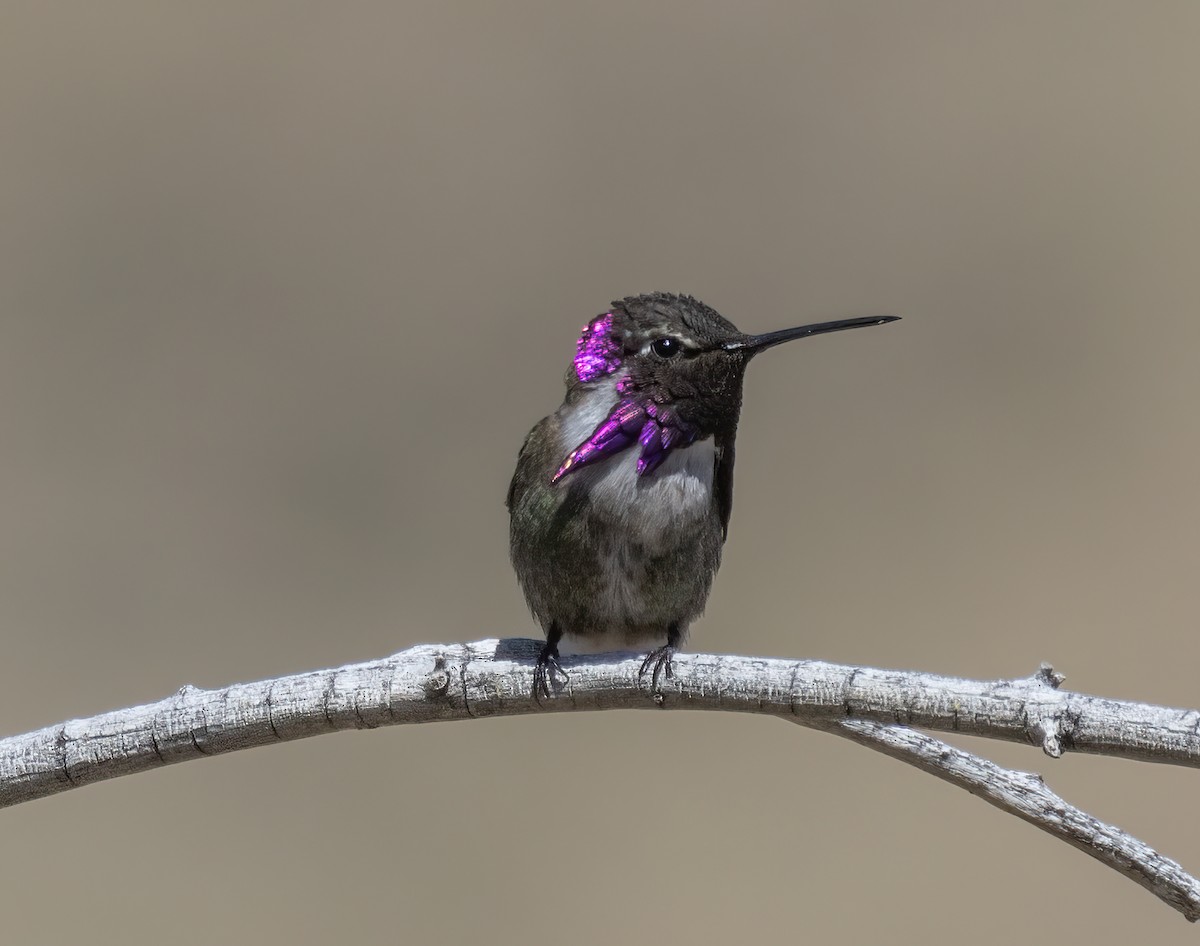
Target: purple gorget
{"points": [[634, 419]]}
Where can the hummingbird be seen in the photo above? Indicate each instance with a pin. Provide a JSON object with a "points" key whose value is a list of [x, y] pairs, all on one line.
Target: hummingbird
{"points": [[621, 499]]}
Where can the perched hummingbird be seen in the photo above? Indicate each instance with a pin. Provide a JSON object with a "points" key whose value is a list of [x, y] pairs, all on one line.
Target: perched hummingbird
{"points": [[621, 499]]}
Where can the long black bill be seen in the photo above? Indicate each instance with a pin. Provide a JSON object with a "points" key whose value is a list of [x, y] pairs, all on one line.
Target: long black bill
{"points": [[753, 344]]}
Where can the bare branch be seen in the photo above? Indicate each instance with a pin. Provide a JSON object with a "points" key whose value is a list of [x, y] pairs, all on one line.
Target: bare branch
{"points": [[494, 678], [1026, 795]]}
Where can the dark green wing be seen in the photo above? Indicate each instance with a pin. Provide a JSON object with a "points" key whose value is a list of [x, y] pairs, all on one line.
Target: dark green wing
{"points": [[723, 482], [536, 461], [521, 474]]}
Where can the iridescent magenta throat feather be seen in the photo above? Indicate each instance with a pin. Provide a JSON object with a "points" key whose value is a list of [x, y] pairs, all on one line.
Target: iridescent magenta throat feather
{"points": [[597, 353], [656, 428], [633, 420]]}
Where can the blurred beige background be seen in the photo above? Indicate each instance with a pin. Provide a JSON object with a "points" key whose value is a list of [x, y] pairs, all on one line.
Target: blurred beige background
{"points": [[284, 285]]}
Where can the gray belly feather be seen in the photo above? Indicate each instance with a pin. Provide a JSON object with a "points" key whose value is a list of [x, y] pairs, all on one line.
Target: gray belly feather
{"points": [[655, 539]]}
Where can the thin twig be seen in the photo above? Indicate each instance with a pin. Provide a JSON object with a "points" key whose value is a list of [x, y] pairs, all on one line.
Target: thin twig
{"points": [[1026, 795]]}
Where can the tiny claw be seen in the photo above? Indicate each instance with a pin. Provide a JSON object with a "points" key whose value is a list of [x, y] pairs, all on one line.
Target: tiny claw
{"points": [[660, 660], [548, 671]]}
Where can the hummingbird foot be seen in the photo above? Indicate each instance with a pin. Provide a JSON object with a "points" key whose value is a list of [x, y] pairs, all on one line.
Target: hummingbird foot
{"points": [[658, 664], [548, 674], [658, 661]]}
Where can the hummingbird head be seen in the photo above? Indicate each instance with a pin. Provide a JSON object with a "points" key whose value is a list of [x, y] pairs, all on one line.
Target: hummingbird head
{"points": [[678, 367]]}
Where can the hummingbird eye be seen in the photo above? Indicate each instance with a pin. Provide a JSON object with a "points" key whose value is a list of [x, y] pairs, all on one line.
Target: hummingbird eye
{"points": [[666, 347]]}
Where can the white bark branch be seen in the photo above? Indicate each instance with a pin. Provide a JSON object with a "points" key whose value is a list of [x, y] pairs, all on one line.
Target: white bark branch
{"points": [[493, 678], [1026, 795]]}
